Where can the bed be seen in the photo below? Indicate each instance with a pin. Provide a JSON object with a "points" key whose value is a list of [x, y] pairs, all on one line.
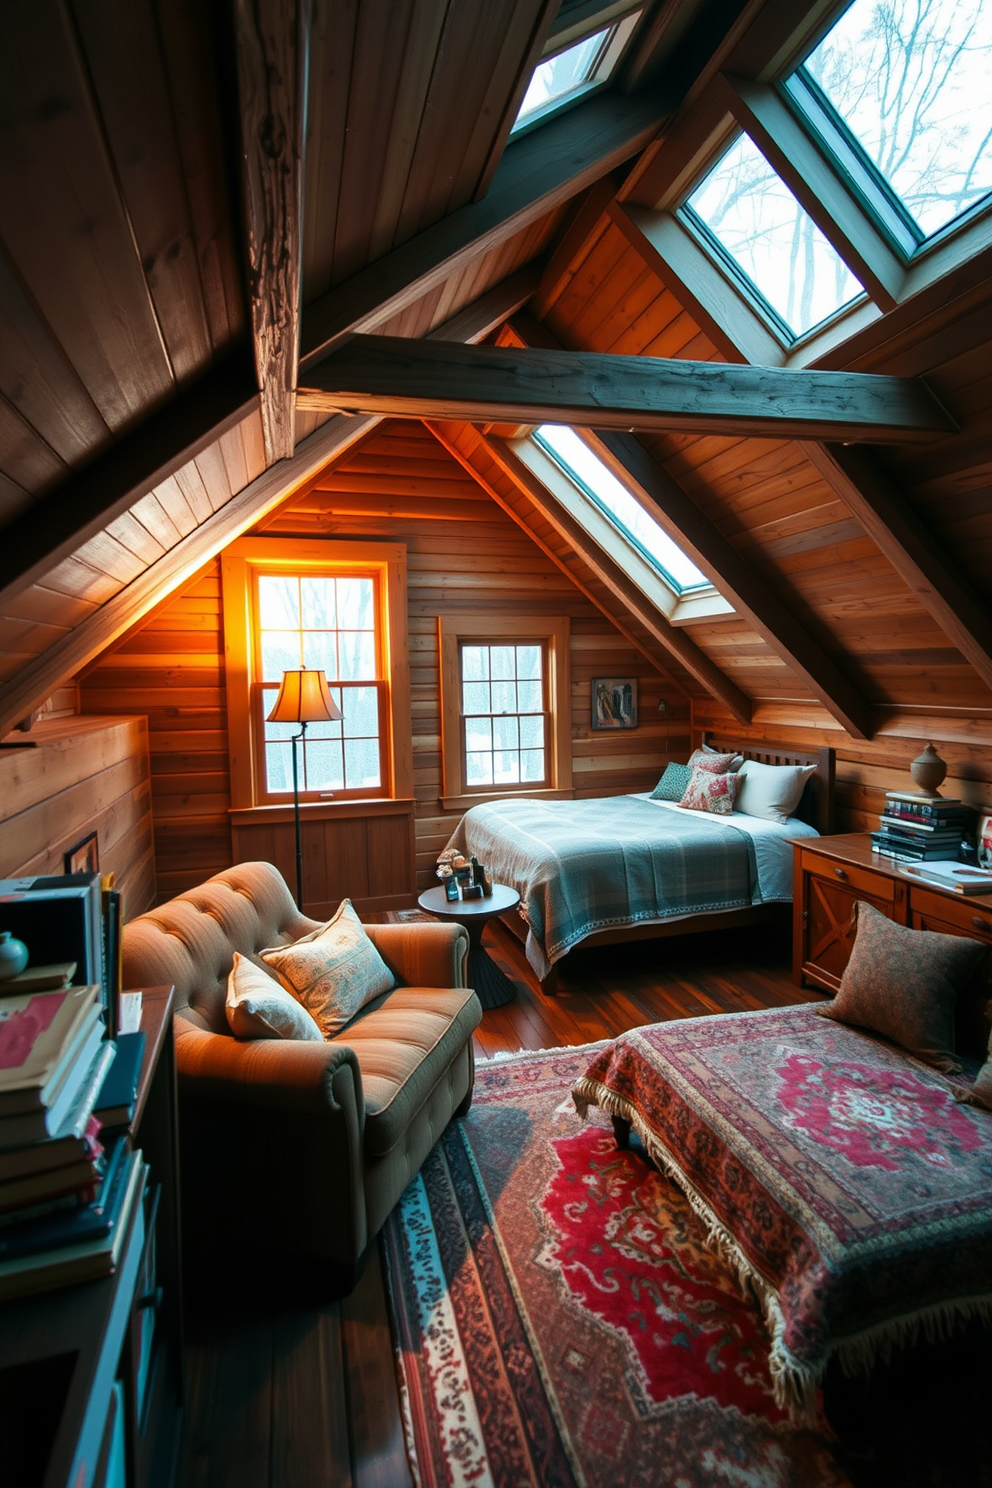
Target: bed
{"points": [[622, 868], [841, 1177]]}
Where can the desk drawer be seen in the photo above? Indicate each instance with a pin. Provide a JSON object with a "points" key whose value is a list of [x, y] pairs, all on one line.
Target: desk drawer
{"points": [[877, 887], [954, 915]]}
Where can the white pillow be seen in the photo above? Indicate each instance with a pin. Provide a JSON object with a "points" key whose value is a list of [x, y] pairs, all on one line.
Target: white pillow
{"points": [[333, 971], [771, 791], [257, 1007]]}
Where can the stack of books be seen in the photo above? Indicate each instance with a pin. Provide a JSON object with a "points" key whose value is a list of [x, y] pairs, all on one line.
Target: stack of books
{"points": [[917, 829], [66, 1194]]}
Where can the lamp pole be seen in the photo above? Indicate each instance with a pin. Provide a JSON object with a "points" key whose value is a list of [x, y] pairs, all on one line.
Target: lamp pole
{"points": [[298, 738]]}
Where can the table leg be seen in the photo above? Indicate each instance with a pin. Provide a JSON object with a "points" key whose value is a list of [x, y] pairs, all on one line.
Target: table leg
{"points": [[492, 986]]}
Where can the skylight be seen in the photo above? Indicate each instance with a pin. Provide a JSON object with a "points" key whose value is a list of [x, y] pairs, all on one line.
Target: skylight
{"points": [[592, 476], [911, 80], [772, 240], [574, 71]]}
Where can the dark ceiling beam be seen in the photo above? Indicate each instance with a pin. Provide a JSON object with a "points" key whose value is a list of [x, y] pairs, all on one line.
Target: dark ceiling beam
{"points": [[58, 523], [671, 638], [537, 173], [664, 499], [271, 42], [486, 384], [911, 548]]}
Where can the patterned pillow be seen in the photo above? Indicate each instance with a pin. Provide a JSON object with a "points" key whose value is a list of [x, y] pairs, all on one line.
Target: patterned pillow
{"points": [[257, 1007], [709, 792], [334, 971], [718, 764], [672, 785], [904, 984]]}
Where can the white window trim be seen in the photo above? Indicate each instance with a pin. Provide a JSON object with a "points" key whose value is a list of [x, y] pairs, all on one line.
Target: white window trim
{"points": [[678, 609], [624, 20], [475, 626], [239, 563]]}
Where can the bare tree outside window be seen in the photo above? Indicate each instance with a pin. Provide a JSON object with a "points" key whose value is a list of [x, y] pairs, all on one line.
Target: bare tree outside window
{"points": [[912, 79]]}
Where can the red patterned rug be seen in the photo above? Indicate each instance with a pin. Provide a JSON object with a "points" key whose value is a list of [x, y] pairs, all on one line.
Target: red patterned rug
{"points": [[560, 1319]]}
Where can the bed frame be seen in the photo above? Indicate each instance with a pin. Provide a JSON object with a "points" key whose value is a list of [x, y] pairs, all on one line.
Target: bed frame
{"points": [[816, 808]]}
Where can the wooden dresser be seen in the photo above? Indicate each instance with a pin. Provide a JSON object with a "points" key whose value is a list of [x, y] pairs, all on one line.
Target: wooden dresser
{"points": [[831, 873]]}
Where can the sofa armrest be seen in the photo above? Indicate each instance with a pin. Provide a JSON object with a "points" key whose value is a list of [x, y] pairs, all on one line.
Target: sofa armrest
{"points": [[423, 955], [282, 1074]]}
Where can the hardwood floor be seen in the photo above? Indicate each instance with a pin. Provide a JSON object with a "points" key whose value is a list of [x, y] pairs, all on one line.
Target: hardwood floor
{"points": [[280, 1396]]}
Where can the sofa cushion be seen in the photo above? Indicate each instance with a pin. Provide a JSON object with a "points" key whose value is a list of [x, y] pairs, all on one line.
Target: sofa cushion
{"points": [[404, 1042], [257, 1007], [334, 971]]}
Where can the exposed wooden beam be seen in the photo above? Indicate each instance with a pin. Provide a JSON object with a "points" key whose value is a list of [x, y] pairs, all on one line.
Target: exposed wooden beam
{"points": [[486, 384], [271, 41], [574, 243], [58, 523], [483, 315], [30, 686], [536, 174], [463, 442], [544, 18], [911, 548], [736, 580]]}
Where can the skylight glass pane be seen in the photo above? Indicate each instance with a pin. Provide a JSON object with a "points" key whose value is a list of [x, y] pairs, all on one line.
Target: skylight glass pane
{"points": [[911, 79], [575, 456], [756, 219], [561, 76]]}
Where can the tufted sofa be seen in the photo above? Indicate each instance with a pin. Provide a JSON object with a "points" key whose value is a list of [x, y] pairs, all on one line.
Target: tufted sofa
{"points": [[292, 1150]]}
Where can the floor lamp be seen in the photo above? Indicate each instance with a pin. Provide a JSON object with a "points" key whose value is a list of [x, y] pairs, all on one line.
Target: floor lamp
{"points": [[304, 697]]}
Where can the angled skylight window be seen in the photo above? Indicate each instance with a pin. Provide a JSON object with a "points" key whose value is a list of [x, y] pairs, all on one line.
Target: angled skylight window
{"points": [[574, 71], [625, 512], [772, 241], [911, 81]]}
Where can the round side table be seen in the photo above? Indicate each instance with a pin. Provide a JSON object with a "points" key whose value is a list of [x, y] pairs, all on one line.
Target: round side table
{"points": [[493, 988]]}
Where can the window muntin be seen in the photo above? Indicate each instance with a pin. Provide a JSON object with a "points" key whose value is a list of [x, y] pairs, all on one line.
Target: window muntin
{"points": [[574, 71], [331, 622], [624, 511], [910, 81], [504, 713], [745, 209]]}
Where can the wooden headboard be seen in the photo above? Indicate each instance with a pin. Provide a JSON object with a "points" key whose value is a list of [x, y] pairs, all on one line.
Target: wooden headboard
{"points": [[817, 804]]}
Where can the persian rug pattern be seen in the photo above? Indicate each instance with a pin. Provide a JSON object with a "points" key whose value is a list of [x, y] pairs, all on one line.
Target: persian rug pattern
{"points": [[561, 1319], [842, 1177]]}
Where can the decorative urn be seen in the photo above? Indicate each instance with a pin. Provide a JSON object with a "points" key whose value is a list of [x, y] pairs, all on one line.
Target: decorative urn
{"points": [[928, 770], [13, 956]]}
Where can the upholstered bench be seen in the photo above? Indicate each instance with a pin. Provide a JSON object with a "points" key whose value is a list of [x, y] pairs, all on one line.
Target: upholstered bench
{"points": [[292, 1150]]}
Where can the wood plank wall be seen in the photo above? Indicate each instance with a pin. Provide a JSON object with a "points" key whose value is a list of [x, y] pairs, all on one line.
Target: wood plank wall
{"points": [[463, 554], [80, 775], [171, 670]]}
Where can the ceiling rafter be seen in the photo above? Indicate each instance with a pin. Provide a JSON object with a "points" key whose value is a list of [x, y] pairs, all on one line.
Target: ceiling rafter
{"points": [[417, 379], [537, 173], [271, 45]]}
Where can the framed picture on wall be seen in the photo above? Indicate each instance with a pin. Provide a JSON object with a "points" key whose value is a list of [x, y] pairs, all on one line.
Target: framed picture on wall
{"points": [[84, 857], [614, 702]]}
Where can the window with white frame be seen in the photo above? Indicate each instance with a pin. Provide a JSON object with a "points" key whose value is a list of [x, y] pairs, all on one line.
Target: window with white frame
{"points": [[573, 70]]}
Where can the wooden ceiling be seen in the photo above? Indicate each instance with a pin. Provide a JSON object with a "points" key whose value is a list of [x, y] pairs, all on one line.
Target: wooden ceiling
{"points": [[201, 206]]}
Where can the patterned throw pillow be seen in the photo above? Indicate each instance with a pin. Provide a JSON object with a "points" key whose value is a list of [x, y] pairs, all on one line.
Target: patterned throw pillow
{"points": [[257, 1007], [717, 764], [707, 791], [904, 984], [672, 785], [334, 971]]}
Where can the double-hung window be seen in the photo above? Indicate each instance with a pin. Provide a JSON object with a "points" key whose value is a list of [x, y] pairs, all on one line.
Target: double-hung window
{"points": [[505, 707], [336, 606]]}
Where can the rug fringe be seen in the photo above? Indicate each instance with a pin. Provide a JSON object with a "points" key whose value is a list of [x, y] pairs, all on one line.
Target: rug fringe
{"points": [[794, 1385], [503, 1055], [936, 1324]]}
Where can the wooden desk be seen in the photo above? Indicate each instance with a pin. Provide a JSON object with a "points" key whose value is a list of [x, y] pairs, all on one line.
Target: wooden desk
{"points": [[831, 873], [61, 1351]]}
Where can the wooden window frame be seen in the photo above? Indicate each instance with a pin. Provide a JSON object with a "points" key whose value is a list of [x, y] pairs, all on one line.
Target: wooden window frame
{"points": [[454, 630], [241, 564]]}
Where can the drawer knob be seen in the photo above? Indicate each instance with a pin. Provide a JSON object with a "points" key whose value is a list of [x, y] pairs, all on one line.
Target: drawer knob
{"points": [[841, 872], [980, 924]]}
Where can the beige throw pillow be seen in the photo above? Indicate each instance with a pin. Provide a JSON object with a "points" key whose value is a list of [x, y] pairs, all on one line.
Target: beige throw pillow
{"points": [[334, 971], [257, 1007], [771, 791]]}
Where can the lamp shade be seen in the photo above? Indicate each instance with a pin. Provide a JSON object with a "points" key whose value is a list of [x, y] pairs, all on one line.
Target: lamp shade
{"points": [[304, 697]]}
